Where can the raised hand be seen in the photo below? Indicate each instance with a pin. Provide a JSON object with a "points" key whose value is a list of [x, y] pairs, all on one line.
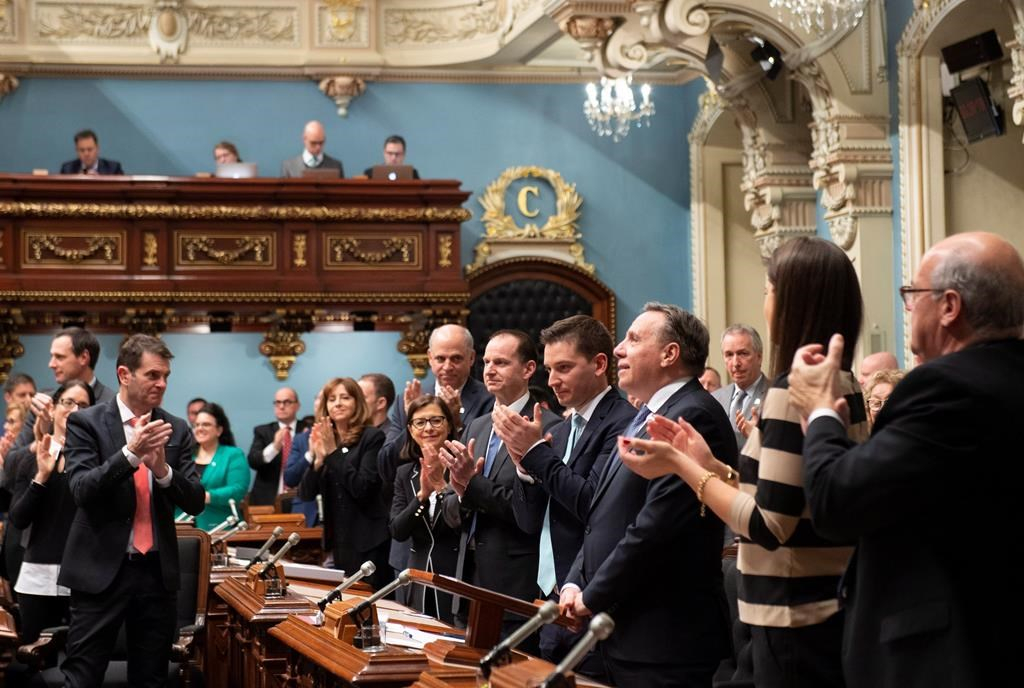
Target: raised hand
{"points": [[518, 433], [453, 400], [45, 461], [413, 391], [458, 459], [650, 458], [683, 437], [149, 436], [746, 426], [814, 377]]}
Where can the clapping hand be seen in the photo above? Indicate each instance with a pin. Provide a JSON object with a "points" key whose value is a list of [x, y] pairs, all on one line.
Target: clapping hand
{"points": [[458, 459], [682, 436], [517, 432]]}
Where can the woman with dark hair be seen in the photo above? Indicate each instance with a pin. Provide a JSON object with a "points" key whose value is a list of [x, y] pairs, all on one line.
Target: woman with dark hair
{"points": [[43, 508], [420, 488], [343, 448], [223, 468], [789, 575]]}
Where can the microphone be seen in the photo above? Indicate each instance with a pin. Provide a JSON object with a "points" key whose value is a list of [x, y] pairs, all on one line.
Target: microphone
{"points": [[184, 517], [266, 545], [234, 508], [292, 540], [403, 579], [501, 653], [600, 628], [319, 508], [241, 525], [367, 569], [226, 523]]}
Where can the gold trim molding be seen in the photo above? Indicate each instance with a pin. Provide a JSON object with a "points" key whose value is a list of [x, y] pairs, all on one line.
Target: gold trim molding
{"points": [[167, 211], [312, 297]]}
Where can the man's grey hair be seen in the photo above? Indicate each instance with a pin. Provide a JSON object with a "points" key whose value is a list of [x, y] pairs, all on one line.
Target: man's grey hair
{"points": [[686, 330], [740, 328], [993, 299], [467, 336]]}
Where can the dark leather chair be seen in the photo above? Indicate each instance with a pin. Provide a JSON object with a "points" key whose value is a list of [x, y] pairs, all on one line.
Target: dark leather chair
{"points": [[194, 563]]}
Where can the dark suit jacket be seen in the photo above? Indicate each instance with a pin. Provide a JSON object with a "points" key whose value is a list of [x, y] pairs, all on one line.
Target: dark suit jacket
{"points": [[101, 483], [926, 603], [435, 544], [294, 469], [355, 516], [294, 167], [103, 166], [506, 555], [570, 486], [651, 561], [264, 487]]}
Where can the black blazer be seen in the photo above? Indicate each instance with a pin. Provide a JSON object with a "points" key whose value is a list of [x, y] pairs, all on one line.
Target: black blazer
{"points": [[102, 486], [48, 509], [103, 166], [929, 498], [570, 486], [355, 516], [506, 555], [650, 560], [435, 544], [264, 487]]}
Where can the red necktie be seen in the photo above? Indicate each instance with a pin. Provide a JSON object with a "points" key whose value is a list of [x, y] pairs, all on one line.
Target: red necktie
{"points": [[142, 527], [286, 449]]}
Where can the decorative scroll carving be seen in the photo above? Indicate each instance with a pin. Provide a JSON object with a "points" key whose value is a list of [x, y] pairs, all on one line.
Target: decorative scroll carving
{"points": [[11, 347], [151, 322], [149, 250], [158, 211], [1016, 90], [99, 249], [415, 338], [8, 84], [444, 251], [343, 90], [364, 251], [283, 343], [451, 24], [6, 20], [299, 250], [207, 250]]}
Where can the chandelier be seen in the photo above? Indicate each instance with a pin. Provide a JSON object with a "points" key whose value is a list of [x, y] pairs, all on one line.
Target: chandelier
{"points": [[821, 15], [611, 108]]}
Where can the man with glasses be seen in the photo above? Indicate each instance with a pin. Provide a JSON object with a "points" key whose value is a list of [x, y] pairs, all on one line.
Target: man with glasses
{"points": [[933, 492], [271, 444]]}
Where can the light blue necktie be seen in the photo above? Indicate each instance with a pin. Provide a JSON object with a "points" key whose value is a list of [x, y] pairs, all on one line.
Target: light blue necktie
{"points": [[546, 579], [493, 445]]}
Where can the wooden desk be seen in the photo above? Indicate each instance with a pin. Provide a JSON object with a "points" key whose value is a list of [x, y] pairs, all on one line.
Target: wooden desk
{"points": [[310, 549]]}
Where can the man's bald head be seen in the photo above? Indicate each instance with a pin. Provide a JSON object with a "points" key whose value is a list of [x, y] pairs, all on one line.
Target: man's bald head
{"points": [[881, 360], [314, 137], [451, 355]]}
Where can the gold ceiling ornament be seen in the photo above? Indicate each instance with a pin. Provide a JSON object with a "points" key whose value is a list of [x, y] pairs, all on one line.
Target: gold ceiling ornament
{"points": [[558, 237], [342, 15]]}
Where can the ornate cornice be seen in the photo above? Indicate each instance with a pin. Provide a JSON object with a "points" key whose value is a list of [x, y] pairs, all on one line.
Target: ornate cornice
{"points": [[166, 211], [248, 297]]}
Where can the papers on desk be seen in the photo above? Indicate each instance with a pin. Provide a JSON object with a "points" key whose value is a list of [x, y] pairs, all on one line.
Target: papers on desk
{"points": [[400, 635]]}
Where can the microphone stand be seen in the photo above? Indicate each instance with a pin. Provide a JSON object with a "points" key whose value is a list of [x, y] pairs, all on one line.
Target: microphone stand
{"points": [[601, 626], [501, 654]]}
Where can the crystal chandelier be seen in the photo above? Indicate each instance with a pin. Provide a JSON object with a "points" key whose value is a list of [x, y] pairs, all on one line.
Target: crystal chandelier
{"points": [[611, 109], [821, 15]]}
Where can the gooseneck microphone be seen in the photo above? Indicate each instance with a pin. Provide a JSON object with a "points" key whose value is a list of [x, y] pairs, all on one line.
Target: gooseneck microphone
{"points": [[234, 507], [502, 652], [404, 578], [226, 523], [600, 628], [241, 525], [367, 569], [292, 540], [265, 547]]}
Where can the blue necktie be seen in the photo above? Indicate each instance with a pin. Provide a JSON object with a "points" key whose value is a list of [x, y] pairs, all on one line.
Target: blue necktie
{"points": [[493, 445], [638, 422], [546, 578]]}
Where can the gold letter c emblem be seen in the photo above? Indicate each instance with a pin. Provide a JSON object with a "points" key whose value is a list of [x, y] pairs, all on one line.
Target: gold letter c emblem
{"points": [[522, 202]]}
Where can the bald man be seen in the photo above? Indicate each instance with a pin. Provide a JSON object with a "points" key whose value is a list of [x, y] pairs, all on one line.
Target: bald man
{"points": [[881, 360], [313, 156], [933, 492]]}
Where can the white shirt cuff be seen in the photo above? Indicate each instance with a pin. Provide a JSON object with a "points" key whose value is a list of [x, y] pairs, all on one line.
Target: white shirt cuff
{"points": [[132, 458], [824, 413], [269, 452], [309, 457], [569, 586], [525, 477], [166, 480]]}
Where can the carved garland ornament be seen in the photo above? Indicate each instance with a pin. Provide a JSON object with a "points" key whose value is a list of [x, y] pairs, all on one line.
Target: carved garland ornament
{"points": [[258, 246], [53, 244], [452, 24], [353, 247], [561, 225]]}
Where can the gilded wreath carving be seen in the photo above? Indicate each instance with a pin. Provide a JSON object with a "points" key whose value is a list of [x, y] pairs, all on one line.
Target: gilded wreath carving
{"points": [[93, 245], [203, 245], [561, 225]]}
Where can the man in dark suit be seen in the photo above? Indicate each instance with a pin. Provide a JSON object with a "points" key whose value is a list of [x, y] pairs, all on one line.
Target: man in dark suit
{"points": [[497, 553], [925, 603], [742, 350], [129, 465], [313, 157], [557, 479], [379, 391], [451, 355], [648, 558], [87, 146], [271, 444]]}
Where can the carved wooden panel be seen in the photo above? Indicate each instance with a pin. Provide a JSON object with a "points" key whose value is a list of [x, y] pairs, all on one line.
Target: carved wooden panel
{"points": [[231, 250], [73, 250], [372, 251]]}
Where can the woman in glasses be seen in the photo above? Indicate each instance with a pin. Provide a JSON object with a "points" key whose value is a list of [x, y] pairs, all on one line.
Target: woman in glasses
{"points": [[223, 468], [343, 448], [44, 503], [877, 390], [420, 488]]}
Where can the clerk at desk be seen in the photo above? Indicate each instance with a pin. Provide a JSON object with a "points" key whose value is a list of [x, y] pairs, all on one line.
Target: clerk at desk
{"points": [[87, 146]]}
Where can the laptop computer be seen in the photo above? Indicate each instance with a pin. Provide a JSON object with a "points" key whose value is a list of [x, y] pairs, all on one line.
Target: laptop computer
{"points": [[236, 170], [391, 172]]}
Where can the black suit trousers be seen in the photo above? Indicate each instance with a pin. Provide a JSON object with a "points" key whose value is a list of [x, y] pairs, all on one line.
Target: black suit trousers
{"points": [[138, 599]]}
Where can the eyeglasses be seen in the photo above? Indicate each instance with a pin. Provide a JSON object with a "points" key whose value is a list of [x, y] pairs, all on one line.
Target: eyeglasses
{"points": [[69, 403], [284, 402], [906, 291], [435, 422], [876, 404]]}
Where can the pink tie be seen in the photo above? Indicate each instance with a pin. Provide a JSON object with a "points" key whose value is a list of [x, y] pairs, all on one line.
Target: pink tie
{"points": [[142, 528], [286, 449]]}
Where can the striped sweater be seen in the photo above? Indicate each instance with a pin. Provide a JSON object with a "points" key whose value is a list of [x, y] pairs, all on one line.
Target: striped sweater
{"points": [[788, 573]]}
